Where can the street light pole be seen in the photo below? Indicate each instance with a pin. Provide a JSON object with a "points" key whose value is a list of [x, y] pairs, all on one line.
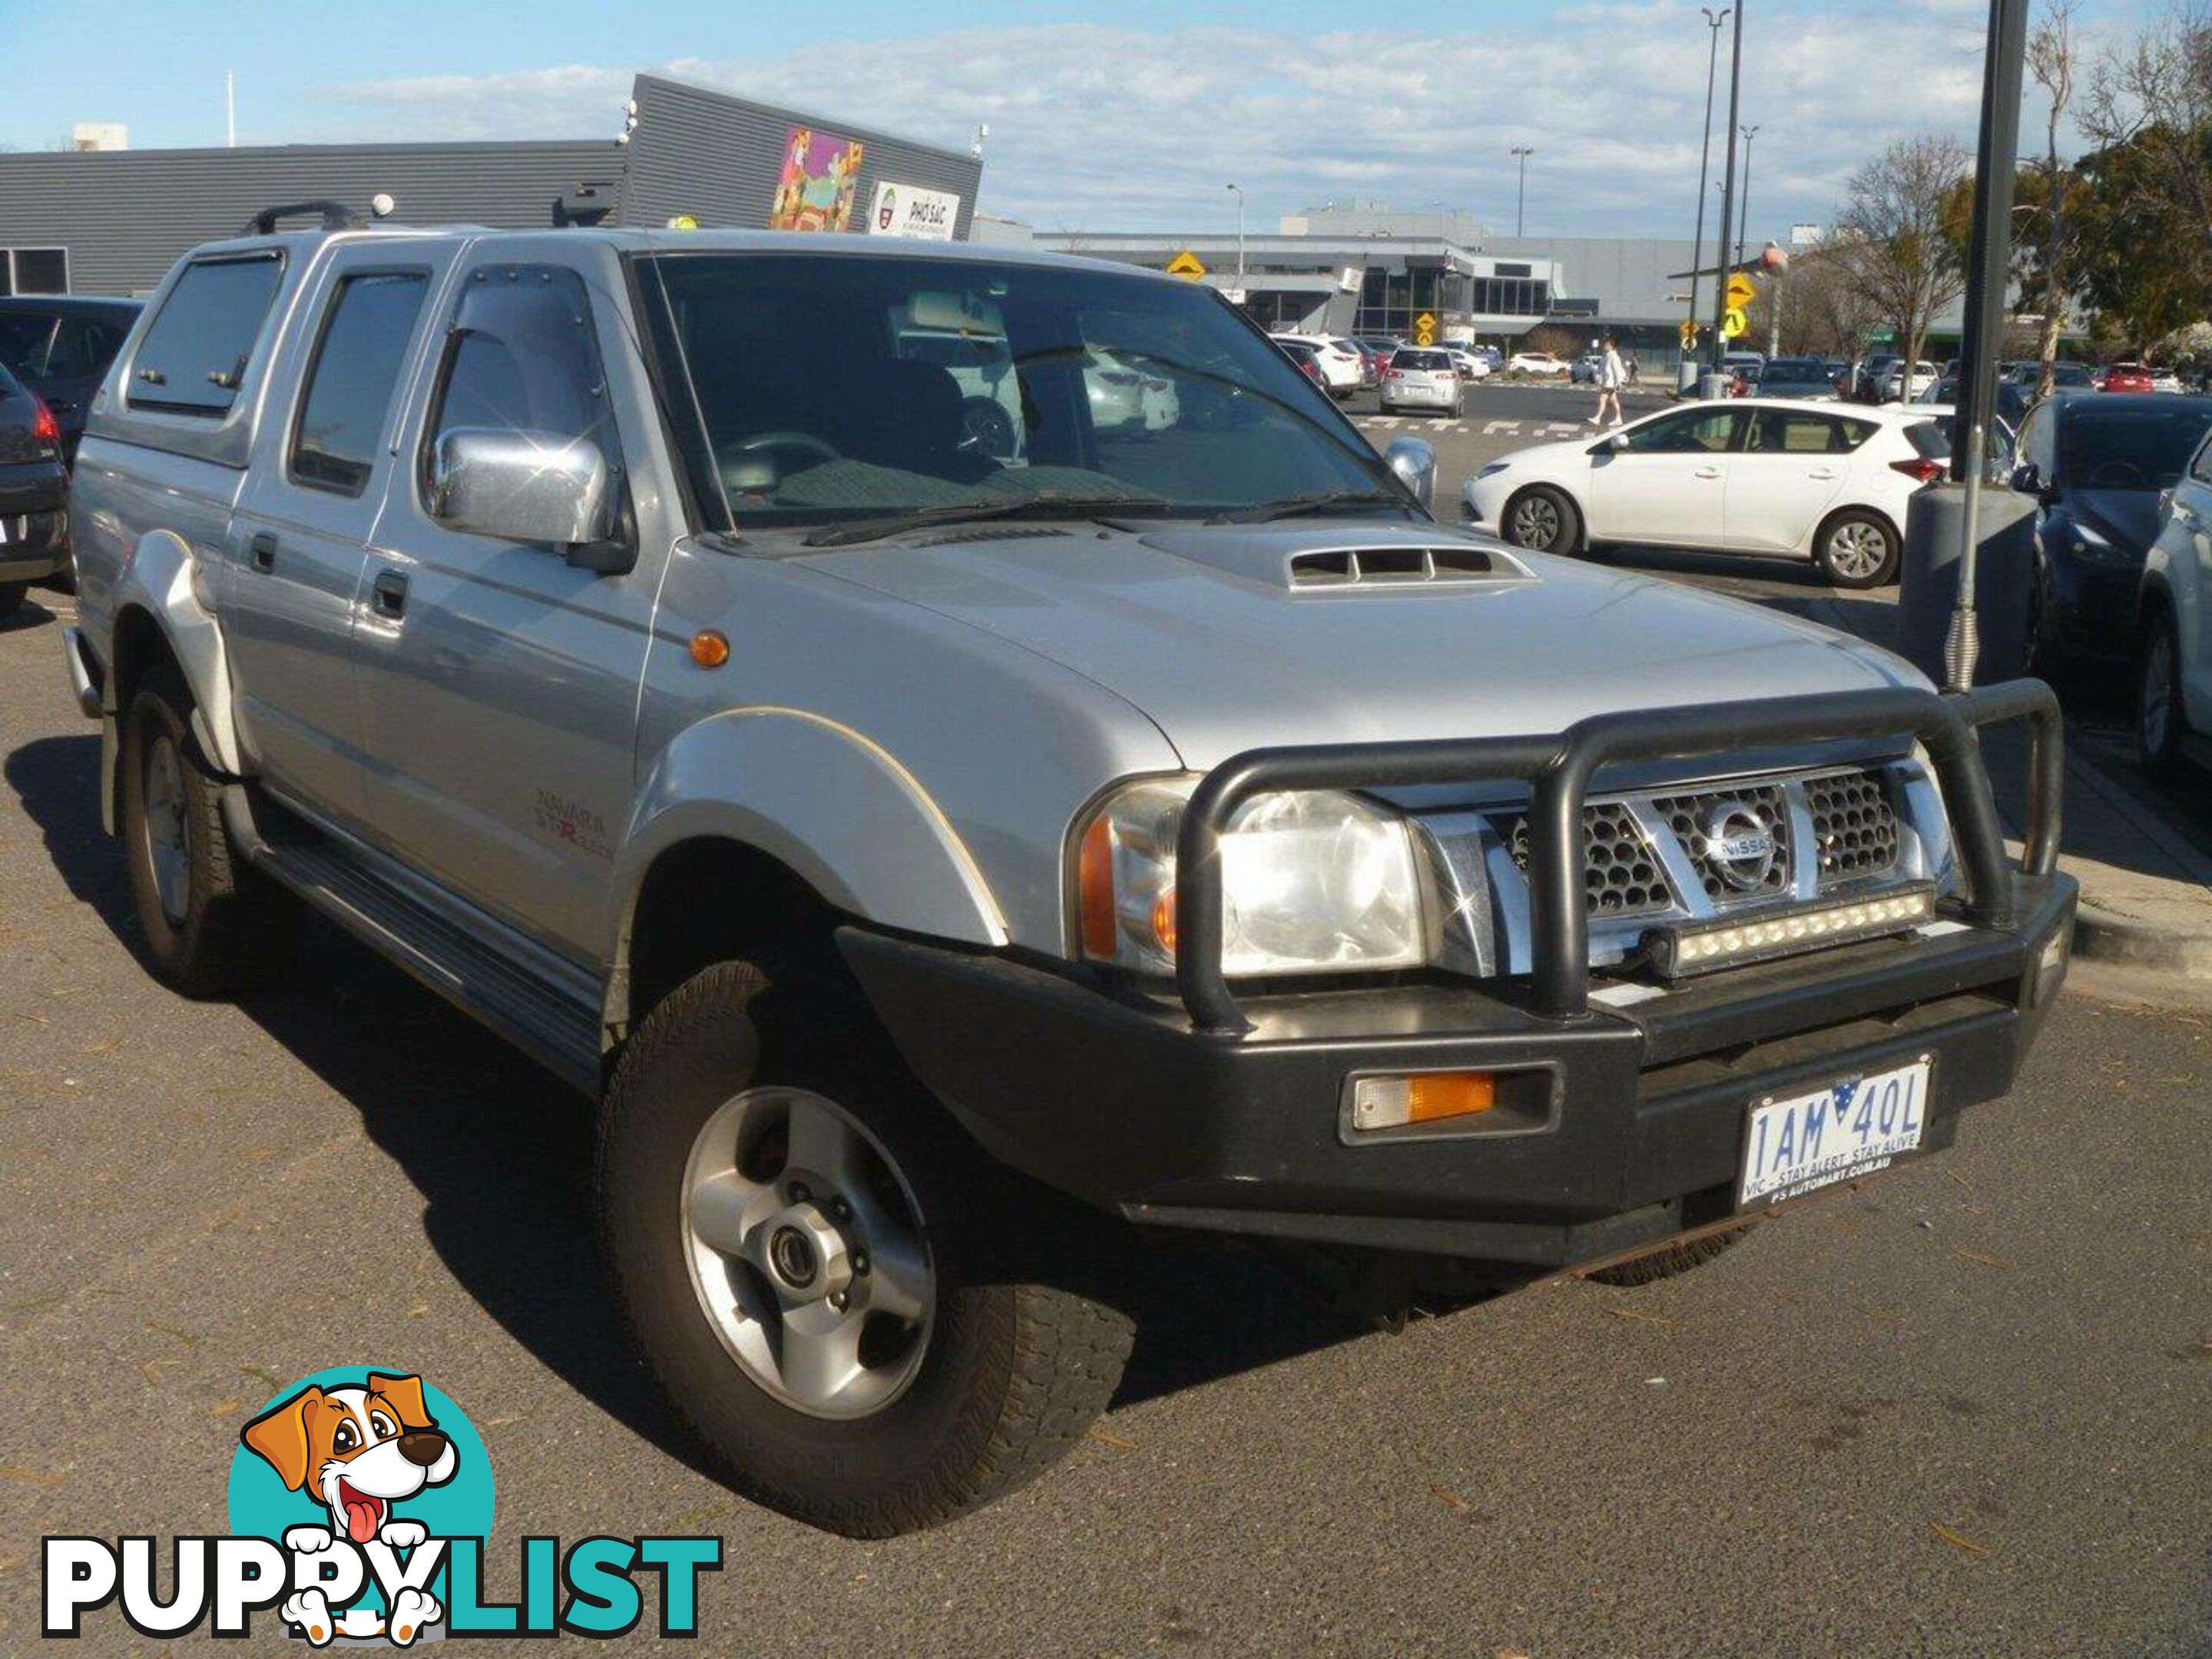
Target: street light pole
{"points": [[1728, 180], [1237, 190], [1743, 213], [1713, 22], [1521, 152]]}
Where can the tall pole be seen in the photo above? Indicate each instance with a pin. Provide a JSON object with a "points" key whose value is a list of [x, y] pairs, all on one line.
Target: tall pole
{"points": [[1728, 180], [1988, 261], [1743, 213], [1521, 152], [230, 107], [1238, 191], [1713, 22]]}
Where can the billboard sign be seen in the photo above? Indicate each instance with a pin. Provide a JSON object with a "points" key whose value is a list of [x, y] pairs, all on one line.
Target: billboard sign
{"points": [[922, 215], [821, 170]]}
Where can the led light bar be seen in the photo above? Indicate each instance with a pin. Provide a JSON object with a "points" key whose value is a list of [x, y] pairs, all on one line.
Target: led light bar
{"points": [[1682, 952]]}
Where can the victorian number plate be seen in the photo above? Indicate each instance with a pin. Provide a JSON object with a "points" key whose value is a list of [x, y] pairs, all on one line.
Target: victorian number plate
{"points": [[1845, 1130]]}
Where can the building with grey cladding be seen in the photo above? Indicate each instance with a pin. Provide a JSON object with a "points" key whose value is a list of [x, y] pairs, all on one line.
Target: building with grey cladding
{"points": [[112, 221]]}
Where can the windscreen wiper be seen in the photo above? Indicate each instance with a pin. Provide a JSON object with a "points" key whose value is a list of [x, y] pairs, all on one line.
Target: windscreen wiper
{"points": [[1002, 507], [1289, 507]]}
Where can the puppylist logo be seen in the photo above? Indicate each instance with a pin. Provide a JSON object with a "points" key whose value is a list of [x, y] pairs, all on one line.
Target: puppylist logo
{"points": [[361, 1503]]}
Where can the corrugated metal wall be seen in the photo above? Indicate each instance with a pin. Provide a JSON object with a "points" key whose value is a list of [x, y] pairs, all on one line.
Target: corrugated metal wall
{"points": [[718, 159], [124, 216]]}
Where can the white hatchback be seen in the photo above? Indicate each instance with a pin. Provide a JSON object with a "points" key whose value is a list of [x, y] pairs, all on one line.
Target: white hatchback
{"points": [[1422, 377], [1342, 365], [1809, 479]]}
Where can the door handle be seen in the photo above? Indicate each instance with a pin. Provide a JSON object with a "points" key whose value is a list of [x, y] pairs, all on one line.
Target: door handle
{"points": [[1825, 475], [1707, 472], [390, 593], [263, 549]]}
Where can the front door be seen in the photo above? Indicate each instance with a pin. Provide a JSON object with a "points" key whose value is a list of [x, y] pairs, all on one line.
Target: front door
{"points": [[499, 682], [299, 537], [1793, 463], [1666, 482]]}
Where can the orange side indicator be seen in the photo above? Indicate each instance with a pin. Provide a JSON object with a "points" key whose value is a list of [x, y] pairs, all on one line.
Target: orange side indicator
{"points": [[1449, 1094], [710, 647]]}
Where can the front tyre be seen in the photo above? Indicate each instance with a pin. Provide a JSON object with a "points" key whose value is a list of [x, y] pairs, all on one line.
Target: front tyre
{"points": [[11, 597], [1856, 549], [829, 1286], [2161, 719], [1543, 520], [209, 921]]}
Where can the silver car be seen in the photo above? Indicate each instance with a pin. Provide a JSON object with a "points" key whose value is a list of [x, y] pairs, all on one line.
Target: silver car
{"points": [[938, 860], [1421, 377]]}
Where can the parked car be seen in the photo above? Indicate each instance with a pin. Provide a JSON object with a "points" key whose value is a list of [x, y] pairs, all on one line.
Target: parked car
{"points": [[1121, 393], [2098, 467], [1378, 349], [2166, 379], [2064, 377], [1537, 362], [59, 346], [937, 869], [2012, 403], [1470, 366], [1745, 365], [1898, 386], [1340, 361], [33, 525], [1805, 379], [1305, 355], [1369, 373], [2128, 377], [1424, 377], [1804, 479], [1586, 369], [2173, 631]]}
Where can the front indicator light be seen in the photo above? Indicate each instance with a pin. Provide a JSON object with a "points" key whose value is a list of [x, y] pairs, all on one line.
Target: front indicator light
{"points": [[1681, 952], [1392, 1102]]}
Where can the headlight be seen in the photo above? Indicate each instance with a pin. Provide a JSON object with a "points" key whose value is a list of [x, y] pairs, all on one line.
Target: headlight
{"points": [[1311, 882], [2090, 545], [1494, 469]]}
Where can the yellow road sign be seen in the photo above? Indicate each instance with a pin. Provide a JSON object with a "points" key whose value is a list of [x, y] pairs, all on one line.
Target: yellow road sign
{"points": [[1185, 263], [1689, 337], [1735, 324], [1425, 330], [1742, 291]]}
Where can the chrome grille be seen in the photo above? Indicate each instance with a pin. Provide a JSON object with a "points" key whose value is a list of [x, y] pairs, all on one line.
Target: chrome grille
{"points": [[1689, 817], [1620, 873], [1854, 827]]}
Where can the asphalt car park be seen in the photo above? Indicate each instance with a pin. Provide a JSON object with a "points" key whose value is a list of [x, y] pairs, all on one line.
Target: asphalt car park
{"points": [[1958, 1411]]}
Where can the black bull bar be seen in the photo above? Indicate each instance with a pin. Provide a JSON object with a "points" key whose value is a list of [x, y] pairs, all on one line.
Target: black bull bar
{"points": [[1558, 769]]}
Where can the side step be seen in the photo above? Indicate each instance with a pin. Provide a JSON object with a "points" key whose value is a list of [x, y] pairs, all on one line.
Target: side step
{"points": [[540, 1002]]}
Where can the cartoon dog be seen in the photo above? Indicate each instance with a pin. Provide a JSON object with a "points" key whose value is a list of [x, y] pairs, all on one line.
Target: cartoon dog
{"points": [[360, 1450]]}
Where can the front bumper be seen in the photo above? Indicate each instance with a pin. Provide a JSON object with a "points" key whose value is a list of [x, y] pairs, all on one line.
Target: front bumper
{"points": [[1630, 1101]]}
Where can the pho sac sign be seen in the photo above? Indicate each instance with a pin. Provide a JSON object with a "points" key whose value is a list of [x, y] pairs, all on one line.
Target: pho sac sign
{"points": [[921, 216]]}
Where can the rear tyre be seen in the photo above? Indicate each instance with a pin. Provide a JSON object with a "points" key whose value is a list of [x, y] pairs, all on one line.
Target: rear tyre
{"points": [[1668, 1262], [210, 923], [1543, 520], [858, 1315], [11, 597], [1856, 549], [2161, 719]]}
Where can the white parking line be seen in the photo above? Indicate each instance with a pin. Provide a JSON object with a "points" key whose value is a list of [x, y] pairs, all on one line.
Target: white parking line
{"points": [[1490, 427]]}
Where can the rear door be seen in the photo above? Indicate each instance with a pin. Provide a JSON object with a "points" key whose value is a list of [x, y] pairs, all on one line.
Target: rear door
{"points": [[1667, 482], [300, 538], [1791, 465]]}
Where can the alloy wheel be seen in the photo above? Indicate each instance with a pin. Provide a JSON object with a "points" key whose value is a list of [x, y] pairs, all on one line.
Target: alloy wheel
{"points": [[1857, 549], [2157, 692], [1536, 522], [808, 1252], [168, 829]]}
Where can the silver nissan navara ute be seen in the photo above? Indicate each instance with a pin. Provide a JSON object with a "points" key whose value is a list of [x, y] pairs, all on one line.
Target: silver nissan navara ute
{"points": [[953, 836]]}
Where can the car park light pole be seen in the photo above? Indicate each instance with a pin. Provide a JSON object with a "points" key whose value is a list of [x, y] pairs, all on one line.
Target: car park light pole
{"points": [[1713, 22], [1743, 210], [1522, 153], [1727, 186], [1237, 190]]}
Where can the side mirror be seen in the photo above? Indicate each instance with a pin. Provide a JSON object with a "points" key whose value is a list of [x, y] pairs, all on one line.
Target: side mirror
{"points": [[1415, 461], [2027, 480], [525, 487], [1617, 442]]}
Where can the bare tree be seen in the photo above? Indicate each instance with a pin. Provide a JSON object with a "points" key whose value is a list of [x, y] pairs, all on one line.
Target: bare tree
{"points": [[2051, 60], [1827, 314], [1893, 237]]}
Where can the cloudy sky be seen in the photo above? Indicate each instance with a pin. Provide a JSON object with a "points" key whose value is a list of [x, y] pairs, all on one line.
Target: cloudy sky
{"points": [[1124, 116]]}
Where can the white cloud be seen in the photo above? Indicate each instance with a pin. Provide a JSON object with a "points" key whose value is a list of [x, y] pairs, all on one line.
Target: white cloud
{"points": [[1101, 127]]}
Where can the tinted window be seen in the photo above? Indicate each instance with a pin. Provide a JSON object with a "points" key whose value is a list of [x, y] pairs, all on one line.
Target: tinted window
{"points": [[25, 339], [1691, 432], [523, 359], [197, 352], [357, 360], [1430, 361], [1794, 432], [83, 348]]}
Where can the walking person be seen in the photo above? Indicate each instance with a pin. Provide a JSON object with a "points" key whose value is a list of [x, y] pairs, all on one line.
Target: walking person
{"points": [[1610, 374]]}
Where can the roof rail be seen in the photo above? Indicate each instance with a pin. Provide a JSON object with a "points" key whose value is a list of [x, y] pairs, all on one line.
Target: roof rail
{"points": [[336, 216]]}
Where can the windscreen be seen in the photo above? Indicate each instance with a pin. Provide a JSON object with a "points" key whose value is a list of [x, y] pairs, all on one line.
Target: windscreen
{"points": [[827, 387], [2122, 446]]}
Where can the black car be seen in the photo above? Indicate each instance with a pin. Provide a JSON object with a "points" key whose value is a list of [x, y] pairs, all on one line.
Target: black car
{"points": [[33, 528], [2098, 468], [59, 345]]}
